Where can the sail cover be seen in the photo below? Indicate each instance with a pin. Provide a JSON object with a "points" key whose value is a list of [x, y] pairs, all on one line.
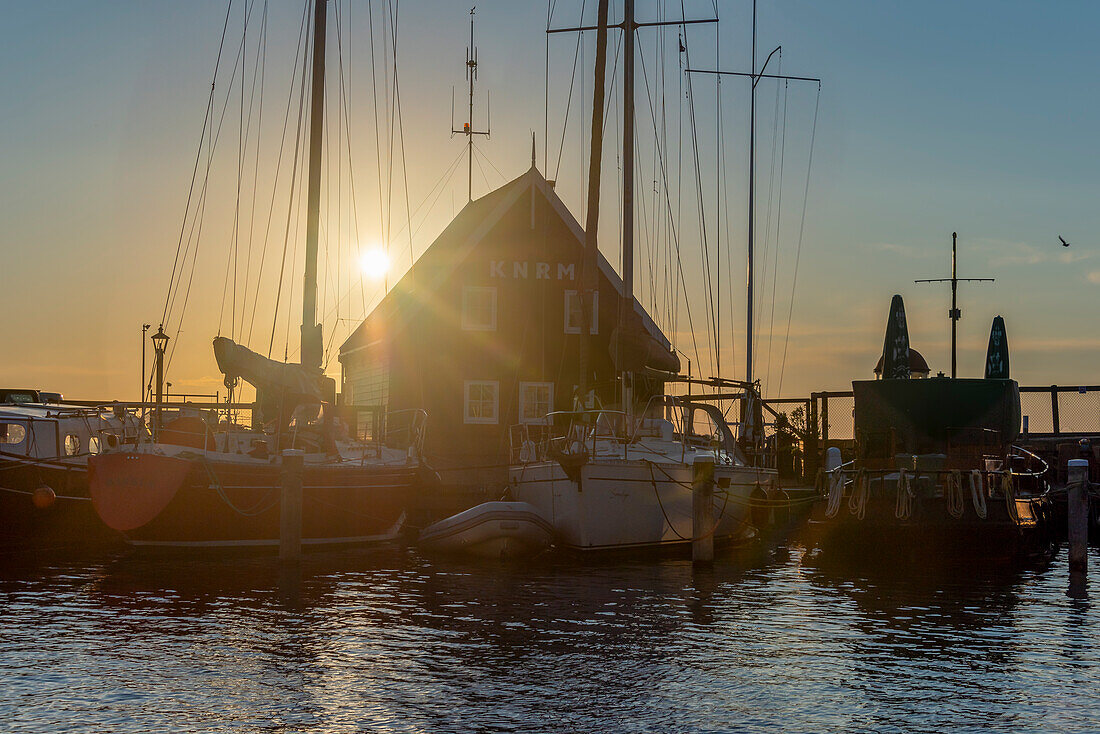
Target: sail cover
{"points": [[293, 381], [895, 350], [996, 357], [633, 348]]}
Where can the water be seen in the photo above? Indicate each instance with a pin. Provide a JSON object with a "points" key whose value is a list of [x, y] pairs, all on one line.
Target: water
{"points": [[384, 640]]}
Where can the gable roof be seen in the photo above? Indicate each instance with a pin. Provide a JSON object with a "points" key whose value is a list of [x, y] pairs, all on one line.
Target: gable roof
{"points": [[463, 234]]}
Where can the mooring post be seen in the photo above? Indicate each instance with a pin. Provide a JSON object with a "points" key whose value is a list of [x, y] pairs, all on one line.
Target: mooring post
{"points": [[702, 506], [1078, 512], [290, 508]]}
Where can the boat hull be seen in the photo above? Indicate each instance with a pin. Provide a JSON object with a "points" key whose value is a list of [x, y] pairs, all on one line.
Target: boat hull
{"points": [[931, 534], [493, 530], [202, 502], [67, 519], [627, 504]]}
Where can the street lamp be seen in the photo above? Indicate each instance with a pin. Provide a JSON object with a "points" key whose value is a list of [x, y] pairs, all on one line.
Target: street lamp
{"points": [[144, 329], [160, 343]]}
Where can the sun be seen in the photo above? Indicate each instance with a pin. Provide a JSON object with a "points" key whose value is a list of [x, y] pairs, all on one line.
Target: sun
{"points": [[374, 263]]}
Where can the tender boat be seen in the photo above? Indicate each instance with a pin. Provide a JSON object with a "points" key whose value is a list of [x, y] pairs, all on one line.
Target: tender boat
{"points": [[490, 530]]}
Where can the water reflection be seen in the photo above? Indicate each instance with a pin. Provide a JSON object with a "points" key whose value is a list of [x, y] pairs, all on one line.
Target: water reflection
{"points": [[385, 640]]}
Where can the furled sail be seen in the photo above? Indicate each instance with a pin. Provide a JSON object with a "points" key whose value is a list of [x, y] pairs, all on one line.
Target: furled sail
{"points": [[633, 348], [895, 350], [996, 356], [295, 382]]}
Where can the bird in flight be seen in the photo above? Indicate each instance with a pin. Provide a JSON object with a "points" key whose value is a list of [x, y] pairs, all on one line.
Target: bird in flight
{"points": [[1063, 239]]}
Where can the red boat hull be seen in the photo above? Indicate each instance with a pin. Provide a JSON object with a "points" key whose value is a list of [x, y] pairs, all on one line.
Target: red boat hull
{"points": [[170, 501]]}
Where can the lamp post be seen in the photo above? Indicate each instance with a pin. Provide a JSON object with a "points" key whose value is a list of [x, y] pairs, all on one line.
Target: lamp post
{"points": [[144, 329], [160, 342]]}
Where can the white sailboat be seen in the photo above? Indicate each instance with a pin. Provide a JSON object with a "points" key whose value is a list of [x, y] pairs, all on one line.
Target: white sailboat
{"points": [[622, 479]]}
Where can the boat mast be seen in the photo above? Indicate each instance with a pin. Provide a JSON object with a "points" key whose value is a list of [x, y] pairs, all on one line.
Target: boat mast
{"points": [[311, 330], [755, 76], [752, 204], [627, 304], [588, 272], [589, 267]]}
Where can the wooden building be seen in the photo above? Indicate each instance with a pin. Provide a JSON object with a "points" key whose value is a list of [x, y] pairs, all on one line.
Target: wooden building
{"points": [[483, 331]]}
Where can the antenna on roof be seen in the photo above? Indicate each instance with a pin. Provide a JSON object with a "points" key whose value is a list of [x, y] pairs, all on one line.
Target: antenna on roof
{"points": [[955, 313], [468, 127]]}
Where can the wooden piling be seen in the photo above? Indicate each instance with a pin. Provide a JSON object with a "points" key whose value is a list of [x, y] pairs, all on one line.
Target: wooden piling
{"points": [[702, 505], [1078, 513], [290, 508]]}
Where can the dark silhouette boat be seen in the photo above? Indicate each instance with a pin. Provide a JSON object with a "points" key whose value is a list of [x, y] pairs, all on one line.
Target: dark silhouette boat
{"points": [[935, 473]]}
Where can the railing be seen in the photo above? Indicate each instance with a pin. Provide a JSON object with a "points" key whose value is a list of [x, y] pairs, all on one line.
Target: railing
{"points": [[826, 418], [570, 432]]}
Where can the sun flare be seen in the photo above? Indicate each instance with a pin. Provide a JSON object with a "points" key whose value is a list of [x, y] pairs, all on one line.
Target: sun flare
{"points": [[374, 263]]}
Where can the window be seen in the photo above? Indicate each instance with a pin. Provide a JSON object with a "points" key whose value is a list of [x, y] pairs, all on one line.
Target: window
{"points": [[94, 445], [12, 434], [481, 401], [72, 444], [479, 309], [573, 316], [536, 399]]}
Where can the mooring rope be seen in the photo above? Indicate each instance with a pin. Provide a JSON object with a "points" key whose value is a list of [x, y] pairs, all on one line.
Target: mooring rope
{"points": [[836, 493], [264, 504], [857, 503], [977, 494], [903, 507], [1009, 490], [952, 494], [657, 494]]}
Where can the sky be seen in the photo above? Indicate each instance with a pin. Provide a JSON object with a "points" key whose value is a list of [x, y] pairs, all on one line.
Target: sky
{"points": [[975, 117]]}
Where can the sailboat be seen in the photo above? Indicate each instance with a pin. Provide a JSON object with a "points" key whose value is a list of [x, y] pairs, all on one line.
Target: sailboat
{"points": [[612, 479], [193, 486]]}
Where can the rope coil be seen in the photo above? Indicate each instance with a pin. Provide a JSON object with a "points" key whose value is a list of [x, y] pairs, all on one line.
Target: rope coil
{"points": [[1009, 489], [977, 494], [953, 494], [836, 493], [903, 507], [857, 503]]}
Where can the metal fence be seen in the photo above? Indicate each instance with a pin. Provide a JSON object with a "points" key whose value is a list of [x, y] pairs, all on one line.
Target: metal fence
{"points": [[827, 418]]}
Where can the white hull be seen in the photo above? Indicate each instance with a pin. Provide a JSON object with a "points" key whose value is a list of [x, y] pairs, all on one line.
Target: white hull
{"points": [[620, 504]]}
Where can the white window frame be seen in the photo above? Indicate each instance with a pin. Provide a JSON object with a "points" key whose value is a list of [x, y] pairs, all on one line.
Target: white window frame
{"points": [[537, 420], [482, 419], [594, 327], [467, 323]]}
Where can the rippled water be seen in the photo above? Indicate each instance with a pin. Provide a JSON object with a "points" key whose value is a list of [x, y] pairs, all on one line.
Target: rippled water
{"points": [[384, 640]]}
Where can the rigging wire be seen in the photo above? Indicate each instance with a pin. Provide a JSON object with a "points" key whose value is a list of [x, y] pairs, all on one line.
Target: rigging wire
{"points": [[569, 97], [301, 47], [673, 231], [801, 231], [705, 253], [195, 170], [305, 87], [401, 131], [197, 221], [778, 222]]}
